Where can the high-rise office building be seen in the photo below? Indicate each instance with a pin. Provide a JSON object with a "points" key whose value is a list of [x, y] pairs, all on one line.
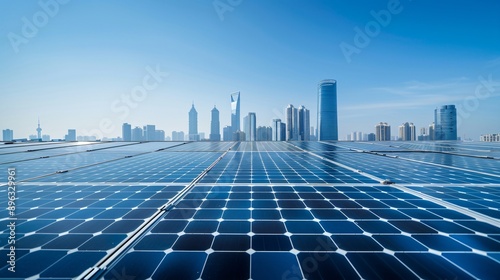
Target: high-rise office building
{"points": [[264, 133], [251, 127], [46, 138], [431, 131], [8, 135], [137, 134], [126, 132], [382, 132], [445, 123], [304, 122], [277, 133], [215, 125], [292, 121], [39, 130], [177, 135], [159, 135], [407, 132], [235, 111], [193, 125], [327, 110], [150, 132], [71, 136], [371, 137], [246, 127], [227, 133]]}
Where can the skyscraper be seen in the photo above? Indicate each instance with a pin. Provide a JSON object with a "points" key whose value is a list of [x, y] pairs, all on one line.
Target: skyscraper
{"points": [[431, 131], [150, 132], [407, 132], [246, 127], [327, 110], [445, 123], [277, 130], [8, 135], [383, 132], [215, 125], [264, 133], [227, 133], [39, 130], [304, 122], [177, 135], [235, 111], [292, 121], [193, 124], [71, 136], [137, 134], [252, 127], [127, 132]]}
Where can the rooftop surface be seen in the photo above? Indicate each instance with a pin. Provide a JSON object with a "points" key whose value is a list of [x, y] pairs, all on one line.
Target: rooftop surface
{"points": [[251, 210]]}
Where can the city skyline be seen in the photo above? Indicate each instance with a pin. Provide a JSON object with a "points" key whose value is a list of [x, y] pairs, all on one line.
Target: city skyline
{"points": [[129, 65]]}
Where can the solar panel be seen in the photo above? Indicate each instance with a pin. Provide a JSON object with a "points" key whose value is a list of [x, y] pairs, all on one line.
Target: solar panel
{"points": [[261, 210]]}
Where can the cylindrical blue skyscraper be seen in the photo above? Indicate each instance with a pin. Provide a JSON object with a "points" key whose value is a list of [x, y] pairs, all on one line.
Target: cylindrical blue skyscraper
{"points": [[327, 110]]}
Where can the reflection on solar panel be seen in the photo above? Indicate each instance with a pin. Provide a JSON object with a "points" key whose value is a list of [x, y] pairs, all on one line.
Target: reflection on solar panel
{"points": [[261, 210]]}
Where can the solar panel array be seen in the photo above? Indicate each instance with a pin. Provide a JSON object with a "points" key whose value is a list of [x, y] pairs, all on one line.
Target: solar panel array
{"points": [[252, 210]]}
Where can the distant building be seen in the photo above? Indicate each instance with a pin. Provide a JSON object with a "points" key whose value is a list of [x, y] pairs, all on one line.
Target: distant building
{"points": [[235, 111], [177, 136], [490, 138], [304, 123], [227, 133], [215, 125], [8, 135], [251, 134], [39, 131], [239, 136], [126, 132], [159, 135], [149, 132], [264, 133], [327, 110], [382, 132], [292, 122], [407, 132], [137, 134], [193, 125], [371, 137], [46, 137], [71, 136], [201, 136], [445, 122], [277, 130], [431, 132]]}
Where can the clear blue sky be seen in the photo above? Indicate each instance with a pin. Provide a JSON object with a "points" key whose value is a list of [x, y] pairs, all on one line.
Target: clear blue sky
{"points": [[73, 70]]}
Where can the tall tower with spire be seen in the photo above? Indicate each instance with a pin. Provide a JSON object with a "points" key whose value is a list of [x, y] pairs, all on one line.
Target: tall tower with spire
{"points": [[39, 130]]}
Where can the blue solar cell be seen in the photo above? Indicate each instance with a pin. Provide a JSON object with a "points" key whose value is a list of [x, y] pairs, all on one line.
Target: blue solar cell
{"points": [[236, 266], [193, 242], [325, 266], [201, 227], [430, 266], [400, 243], [169, 226], [236, 214], [328, 214], [274, 266], [340, 227], [123, 226], [271, 243], [480, 266], [379, 266], [234, 227], [181, 265], [268, 227], [478, 242], [68, 241], [356, 243], [136, 265], [296, 215], [304, 227], [231, 243], [440, 243], [447, 227], [266, 214], [412, 227], [313, 243], [377, 227], [33, 264], [156, 242], [103, 242], [73, 264]]}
